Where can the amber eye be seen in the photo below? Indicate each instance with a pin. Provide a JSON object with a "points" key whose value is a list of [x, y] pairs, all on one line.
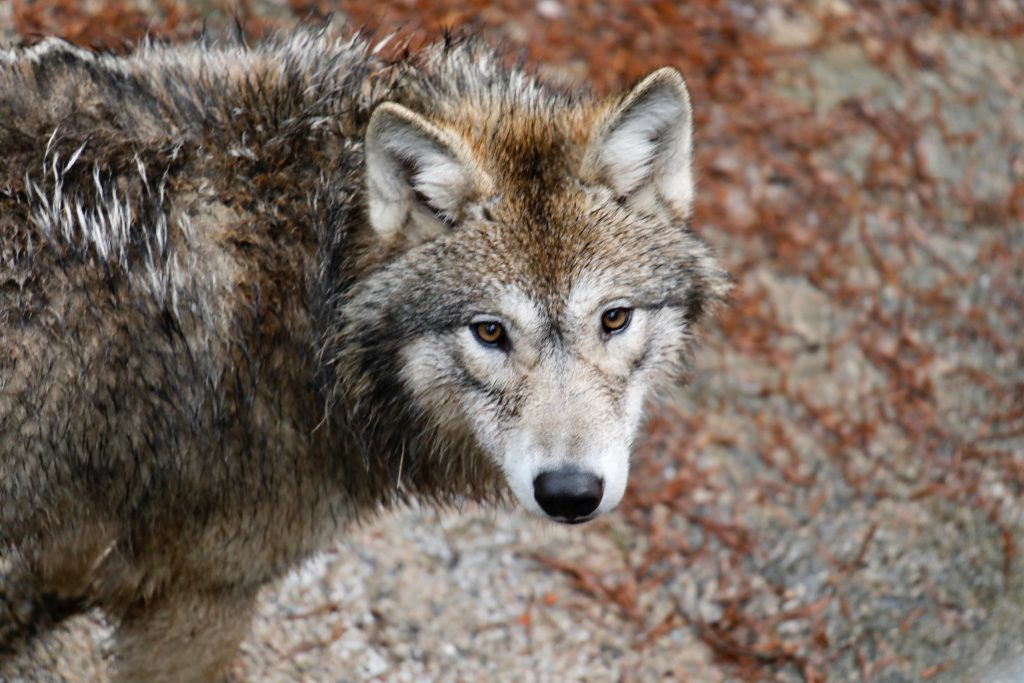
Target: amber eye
{"points": [[615, 319], [489, 333]]}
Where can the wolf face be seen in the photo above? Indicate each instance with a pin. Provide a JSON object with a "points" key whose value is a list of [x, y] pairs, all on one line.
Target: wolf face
{"points": [[547, 278]]}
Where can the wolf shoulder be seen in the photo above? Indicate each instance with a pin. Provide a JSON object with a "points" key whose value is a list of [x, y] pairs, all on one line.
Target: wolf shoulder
{"points": [[154, 257]]}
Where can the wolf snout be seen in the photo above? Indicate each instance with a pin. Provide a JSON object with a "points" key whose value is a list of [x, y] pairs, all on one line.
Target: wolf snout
{"points": [[568, 494]]}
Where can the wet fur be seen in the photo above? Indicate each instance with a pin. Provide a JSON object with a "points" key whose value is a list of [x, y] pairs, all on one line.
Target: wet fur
{"points": [[201, 339]]}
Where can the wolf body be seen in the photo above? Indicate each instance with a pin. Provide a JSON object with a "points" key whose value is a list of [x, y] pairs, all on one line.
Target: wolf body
{"points": [[249, 295]]}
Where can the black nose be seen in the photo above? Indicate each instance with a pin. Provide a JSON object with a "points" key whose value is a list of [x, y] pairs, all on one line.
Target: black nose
{"points": [[568, 494]]}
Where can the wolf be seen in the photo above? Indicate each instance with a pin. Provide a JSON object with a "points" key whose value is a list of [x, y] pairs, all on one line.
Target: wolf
{"points": [[252, 294]]}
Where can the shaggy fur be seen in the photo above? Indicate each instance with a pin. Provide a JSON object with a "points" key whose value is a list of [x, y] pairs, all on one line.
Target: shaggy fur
{"points": [[209, 307]]}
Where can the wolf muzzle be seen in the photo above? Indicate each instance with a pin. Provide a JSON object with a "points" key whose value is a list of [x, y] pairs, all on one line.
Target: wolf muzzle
{"points": [[568, 494]]}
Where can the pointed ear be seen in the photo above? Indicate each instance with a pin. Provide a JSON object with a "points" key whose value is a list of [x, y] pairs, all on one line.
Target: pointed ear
{"points": [[643, 149], [419, 177]]}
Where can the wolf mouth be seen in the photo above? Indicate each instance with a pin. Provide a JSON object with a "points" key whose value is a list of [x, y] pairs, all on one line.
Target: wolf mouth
{"points": [[574, 520]]}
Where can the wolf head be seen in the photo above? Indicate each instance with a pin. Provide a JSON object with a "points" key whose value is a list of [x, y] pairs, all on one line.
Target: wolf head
{"points": [[540, 270]]}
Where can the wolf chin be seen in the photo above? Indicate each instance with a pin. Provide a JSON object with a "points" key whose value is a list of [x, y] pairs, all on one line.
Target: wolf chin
{"points": [[251, 294]]}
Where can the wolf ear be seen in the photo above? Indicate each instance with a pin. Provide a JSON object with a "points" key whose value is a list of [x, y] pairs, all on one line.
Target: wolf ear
{"points": [[645, 144], [419, 177]]}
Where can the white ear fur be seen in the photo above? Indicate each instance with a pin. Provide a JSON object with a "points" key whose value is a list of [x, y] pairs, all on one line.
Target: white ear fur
{"points": [[646, 143], [411, 162]]}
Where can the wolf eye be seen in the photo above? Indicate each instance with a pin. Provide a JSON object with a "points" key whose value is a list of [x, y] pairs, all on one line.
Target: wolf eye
{"points": [[490, 333], [615, 319]]}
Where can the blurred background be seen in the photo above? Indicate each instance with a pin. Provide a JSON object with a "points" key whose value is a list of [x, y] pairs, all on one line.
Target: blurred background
{"points": [[836, 494]]}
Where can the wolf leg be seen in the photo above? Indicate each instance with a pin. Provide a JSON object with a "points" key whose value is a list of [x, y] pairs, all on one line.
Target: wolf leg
{"points": [[183, 637]]}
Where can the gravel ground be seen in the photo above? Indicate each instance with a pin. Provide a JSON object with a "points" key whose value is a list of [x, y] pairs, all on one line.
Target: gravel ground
{"points": [[836, 494]]}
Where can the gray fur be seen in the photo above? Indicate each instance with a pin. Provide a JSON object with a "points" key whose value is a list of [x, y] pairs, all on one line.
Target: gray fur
{"points": [[202, 332]]}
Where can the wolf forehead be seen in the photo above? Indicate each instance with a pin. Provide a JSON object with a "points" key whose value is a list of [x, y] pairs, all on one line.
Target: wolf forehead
{"points": [[546, 253], [539, 188], [552, 238]]}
